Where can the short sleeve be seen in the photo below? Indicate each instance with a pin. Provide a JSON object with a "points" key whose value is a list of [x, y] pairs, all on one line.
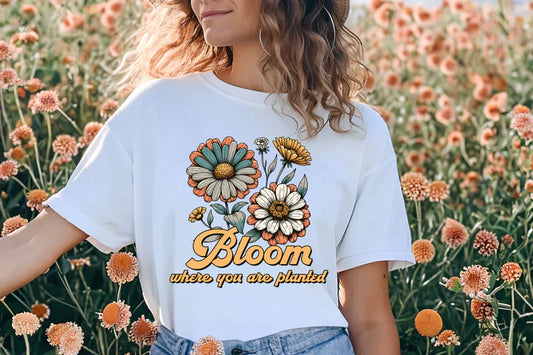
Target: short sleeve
{"points": [[98, 197], [378, 227]]}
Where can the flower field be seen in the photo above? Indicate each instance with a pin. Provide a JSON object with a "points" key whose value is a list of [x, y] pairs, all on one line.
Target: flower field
{"points": [[454, 86]]}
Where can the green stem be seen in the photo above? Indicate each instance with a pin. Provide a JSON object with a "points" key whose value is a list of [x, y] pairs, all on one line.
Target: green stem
{"points": [[71, 294], [49, 141], [27, 344], [118, 292], [427, 346], [511, 326], [9, 309], [279, 174], [71, 121], [419, 218]]}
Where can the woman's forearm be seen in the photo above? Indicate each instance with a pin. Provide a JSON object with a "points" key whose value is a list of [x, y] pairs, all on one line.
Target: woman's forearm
{"points": [[378, 338]]}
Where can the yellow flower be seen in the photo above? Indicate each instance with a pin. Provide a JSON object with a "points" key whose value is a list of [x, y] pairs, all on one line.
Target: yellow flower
{"points": [[197, 214], [292, 151]]}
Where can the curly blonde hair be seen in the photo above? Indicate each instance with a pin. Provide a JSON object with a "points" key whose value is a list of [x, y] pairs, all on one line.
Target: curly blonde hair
{"points": [[297, 33]]}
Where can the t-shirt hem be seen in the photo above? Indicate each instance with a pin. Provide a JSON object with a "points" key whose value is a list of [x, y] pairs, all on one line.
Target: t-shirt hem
{"points": [[74, 215], [398, 259]]}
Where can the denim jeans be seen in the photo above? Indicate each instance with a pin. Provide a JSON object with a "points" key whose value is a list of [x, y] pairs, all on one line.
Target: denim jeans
{"points": [[308, 341]]}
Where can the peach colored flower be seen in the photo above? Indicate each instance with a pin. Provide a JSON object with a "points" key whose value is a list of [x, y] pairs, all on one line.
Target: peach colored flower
{"points": [[71, 22], [122, 267], [65, 145], [8, 168], [8, 51], [45, 101], [55, 331], [90, 130], [492, 111], [522, 122], [9, 77], [78, 263], [35, 199], [454, 233], [115, 6], [16, 153], [449, 66], [143, 331], [414, 158], [481, 309], [392, 80], [12, 224], [71, 340], [510, 272], [454, 284], [108, 108], [426, 94], [423, 250], [438, 190], [446, 338], [455, 138], [41, 310], [428, 323], [492, 345], [486, 242], [25, 323], [414, 186], [21, 134], [528, 186], [208, 345], [28, 9], [474, 278], [487, 135], [115, 314], [445, 115]]}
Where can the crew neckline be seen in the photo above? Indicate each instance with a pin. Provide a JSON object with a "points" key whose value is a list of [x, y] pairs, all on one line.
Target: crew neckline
{"points": [[237, 91]]}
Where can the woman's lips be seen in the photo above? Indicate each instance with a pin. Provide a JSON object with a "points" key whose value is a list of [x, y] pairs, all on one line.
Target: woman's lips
{"points": [[211, 17]]}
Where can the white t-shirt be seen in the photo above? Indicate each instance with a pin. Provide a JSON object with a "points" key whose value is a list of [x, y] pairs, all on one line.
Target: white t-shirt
{"points": [[177, 145]]}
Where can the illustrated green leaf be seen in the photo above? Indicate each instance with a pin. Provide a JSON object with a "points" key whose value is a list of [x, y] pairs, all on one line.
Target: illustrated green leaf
{"points": [[254, 234], [288, 177], [237, 207], [210, 218], [237, 220], [214, 237], [272, 165], [302, 186], [219, 208]]}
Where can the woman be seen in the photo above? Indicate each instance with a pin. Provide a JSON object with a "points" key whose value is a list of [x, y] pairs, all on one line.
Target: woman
{"points": [[250, 238]]}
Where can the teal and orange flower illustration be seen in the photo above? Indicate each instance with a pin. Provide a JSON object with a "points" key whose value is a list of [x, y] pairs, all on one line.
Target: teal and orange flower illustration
{"points": [[223, 170], [279, 213]]}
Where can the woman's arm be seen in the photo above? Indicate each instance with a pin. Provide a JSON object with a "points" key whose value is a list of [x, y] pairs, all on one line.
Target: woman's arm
{"points": [[364, 302], [30, 250]]}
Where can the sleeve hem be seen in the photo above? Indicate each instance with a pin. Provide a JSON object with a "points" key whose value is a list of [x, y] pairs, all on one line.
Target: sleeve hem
{"points": [[72, 214], [398, 259]]}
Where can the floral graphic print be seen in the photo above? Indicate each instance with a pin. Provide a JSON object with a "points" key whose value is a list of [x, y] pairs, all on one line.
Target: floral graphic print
{"points": [[224, 170], [279, 212], [228, 171]]}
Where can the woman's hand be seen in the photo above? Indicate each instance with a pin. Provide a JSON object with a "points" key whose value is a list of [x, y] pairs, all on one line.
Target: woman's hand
{"points": [[364, 302]]}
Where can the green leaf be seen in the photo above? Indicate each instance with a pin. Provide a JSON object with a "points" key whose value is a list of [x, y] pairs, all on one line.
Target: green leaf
{"points": [[237, 207], [210, 218], [272, 165], [302, 186], [237, 220], [65, 265], [219, 209], [254, 234], [214, 237], [288, 177]]}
